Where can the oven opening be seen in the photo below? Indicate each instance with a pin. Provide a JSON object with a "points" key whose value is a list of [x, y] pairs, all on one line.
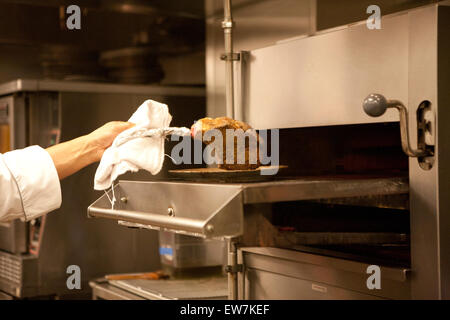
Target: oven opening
{"points": [[373, 230]]}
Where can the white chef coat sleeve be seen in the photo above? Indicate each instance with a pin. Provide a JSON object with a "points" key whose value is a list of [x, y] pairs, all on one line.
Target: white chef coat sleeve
{"points": [[29, 184]]}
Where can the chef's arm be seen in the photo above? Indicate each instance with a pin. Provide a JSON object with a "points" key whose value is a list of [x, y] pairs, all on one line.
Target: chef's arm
{"points": [[29, 178], [71, 156]]}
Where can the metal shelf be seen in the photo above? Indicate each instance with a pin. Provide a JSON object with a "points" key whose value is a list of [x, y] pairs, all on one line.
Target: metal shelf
{"points": [[217, 210], [203, 210], [322, 188]]}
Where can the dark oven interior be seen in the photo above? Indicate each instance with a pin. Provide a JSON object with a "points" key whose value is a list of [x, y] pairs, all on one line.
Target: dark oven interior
{"points": [[373, 229]]}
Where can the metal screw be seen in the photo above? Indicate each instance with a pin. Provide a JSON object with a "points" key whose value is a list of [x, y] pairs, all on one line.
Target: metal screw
{"points": [[170, 212], [124, 199], [209, 228]]}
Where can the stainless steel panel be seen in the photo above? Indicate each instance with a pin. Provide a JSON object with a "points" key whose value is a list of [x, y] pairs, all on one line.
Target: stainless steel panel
{"points": [[258, 24], [263, 23], [174, 289], [102, 290], [180, 251], [322, 79], [13, 236], [18, 275], [267, 272], [207, 210], [44, 118], [428, 80], [263, 285]]}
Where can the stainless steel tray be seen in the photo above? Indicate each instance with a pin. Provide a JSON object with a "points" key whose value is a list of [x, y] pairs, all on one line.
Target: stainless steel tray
{"points": [[175, 289], [217, 210], [203, 210]]}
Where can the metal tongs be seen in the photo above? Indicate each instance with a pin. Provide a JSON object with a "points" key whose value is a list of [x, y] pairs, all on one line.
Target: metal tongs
{"points": [[153, 133]]}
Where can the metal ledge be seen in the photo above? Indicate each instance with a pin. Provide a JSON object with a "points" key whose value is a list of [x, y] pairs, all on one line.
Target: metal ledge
{"points": [[204, 210], [217, 210], [32, 85], [322, 188]]}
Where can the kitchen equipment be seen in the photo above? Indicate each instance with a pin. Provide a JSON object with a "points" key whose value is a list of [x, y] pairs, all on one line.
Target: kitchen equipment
{"points": [[227, 211], [326, 78], [25, 120], [311, 276], [206, 288], [216, 209], [183, 255], [351, 198], [35, 255]]}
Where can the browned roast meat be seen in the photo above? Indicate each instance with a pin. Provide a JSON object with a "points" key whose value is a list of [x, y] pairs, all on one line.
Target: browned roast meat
{"points": [[242, 132]]}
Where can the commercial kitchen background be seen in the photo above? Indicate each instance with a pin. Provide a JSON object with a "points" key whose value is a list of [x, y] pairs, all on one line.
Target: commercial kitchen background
{"points": [[167, 50]]}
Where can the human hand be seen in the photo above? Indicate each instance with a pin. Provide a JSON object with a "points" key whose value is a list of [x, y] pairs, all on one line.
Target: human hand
{"points": [[103, 137]]}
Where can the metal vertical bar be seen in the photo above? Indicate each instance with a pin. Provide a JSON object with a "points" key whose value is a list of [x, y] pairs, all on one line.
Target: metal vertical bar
{"points": [[240, 85], [240, 276], [227, 26], [312, 16], [232, 266]]}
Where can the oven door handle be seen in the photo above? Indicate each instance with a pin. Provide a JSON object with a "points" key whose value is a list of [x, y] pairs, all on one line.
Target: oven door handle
{"points": [[375, 105]]}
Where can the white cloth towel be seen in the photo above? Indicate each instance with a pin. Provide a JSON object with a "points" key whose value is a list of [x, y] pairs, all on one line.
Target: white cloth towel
{"points": [[140, 147]]}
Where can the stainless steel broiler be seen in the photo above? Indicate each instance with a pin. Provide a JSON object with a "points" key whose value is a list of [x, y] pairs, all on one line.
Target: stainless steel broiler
{"points": [[357, 192]]}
